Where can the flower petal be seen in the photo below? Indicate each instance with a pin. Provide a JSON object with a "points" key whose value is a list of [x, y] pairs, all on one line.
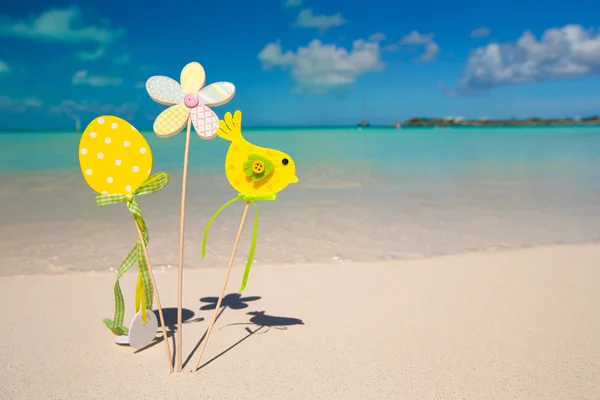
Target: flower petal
{"points": [[192, 78], [164, 90], [205, 121], [217, 93], [171, 121]]}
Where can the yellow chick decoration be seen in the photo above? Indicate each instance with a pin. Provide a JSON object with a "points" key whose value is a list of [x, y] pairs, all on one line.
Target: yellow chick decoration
{"points": [[257, 173], [252, 170]]}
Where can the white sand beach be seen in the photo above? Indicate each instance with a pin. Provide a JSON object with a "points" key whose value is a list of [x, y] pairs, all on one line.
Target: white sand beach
{"points": [[519, 324]]}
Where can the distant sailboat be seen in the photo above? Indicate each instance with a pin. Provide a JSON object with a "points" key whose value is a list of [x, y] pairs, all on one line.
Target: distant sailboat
{"points": [[77, 124], [364, 123]]}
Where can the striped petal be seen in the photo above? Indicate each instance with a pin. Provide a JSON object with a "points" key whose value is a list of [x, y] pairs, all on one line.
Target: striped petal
{"points": [[205, 121], [171, 121], [164, 90], [192, 78], [217, 94]]}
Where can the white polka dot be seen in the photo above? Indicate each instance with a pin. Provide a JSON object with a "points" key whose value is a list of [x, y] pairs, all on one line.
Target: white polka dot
{"points": [[100, 121], [107, 140], [143, 150], [126, 143], [149, 171], [128, 188], [88, 171], [114, 125], [92, 134], [84, 151], [133, 127], [109, 179], [101, 155], [118, 162], [136, 168], [104, 192]]}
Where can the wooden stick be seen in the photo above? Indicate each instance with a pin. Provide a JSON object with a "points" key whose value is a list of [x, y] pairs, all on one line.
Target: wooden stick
{"points": [[160, 313], [180, 268], [212, 323]]}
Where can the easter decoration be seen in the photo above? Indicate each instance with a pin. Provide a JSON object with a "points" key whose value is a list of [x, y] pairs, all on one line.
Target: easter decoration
{"points": [[189, 104], [116, 162], [257, 173]]}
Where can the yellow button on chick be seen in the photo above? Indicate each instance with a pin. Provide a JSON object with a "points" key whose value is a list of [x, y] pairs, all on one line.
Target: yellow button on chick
{"points": [[258, 167]]}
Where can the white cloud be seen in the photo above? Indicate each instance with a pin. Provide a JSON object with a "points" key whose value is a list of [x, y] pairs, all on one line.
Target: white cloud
{"points": [[391, 48], [59, 25], [306, 19], [83, 78], [140, 85], [123, 58], [431, 48], [292, 3], [377, 37], [416, 38], [18, 105], [272, 55], [91, 56], [4, 68], [431, 51], [72, 108], [319, 68], [32, 102], [484, 31], [120, 59], [561, 53]]}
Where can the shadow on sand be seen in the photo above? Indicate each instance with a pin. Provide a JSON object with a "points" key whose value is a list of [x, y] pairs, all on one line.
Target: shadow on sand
{"points": [[235, 301], [259, 319], [170, 315]]}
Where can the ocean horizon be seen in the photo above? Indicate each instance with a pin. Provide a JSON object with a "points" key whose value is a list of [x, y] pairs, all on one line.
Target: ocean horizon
{"points": [[390, 126], [364, 195]]}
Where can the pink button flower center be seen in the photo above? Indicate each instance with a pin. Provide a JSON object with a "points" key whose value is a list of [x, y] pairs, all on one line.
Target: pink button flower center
{"points": [[191, 100]]}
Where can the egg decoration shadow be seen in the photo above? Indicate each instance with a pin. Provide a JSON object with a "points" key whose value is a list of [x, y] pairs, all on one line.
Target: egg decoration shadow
{"points": [[170, 315]]}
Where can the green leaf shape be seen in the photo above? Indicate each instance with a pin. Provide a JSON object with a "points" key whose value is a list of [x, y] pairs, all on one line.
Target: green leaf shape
{"points": [[248, 168], [269, 167]]}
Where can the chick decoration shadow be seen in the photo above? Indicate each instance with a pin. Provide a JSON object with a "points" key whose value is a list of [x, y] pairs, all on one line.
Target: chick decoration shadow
{"points": [[261, 320], [235, 301], [270, 321]]}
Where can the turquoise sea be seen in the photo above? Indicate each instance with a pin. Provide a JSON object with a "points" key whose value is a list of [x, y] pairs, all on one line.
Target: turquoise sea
{"points": [[375, 194]]}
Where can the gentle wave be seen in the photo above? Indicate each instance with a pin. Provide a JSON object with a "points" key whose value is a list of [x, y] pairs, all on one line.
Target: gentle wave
{"points": [[381, 195]]}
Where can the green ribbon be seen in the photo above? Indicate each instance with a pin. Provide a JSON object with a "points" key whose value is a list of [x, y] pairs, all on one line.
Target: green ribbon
{"points": [[251, 200], [150, 185]]}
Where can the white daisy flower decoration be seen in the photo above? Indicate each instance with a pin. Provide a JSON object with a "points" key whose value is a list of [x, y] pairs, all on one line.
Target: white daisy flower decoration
{"points": [[188, 100]]}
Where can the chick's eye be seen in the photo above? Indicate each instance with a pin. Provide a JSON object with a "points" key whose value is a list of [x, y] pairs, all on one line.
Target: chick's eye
{"points": [[285, 161]]}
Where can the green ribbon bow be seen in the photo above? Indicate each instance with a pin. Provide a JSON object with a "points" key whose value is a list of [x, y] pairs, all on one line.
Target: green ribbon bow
{"points": [[150, 185], [251, 200]]}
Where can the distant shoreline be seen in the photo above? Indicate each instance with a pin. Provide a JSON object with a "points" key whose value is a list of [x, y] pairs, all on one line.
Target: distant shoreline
{"points": [[457, 121], [412, 123]]}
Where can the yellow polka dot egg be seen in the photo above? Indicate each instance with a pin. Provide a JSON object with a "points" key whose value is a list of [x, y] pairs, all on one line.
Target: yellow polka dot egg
{"points": [[114, 157]]}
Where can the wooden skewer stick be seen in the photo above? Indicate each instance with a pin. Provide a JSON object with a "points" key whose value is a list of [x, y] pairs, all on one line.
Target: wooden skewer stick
{"points": [[180, 268], [160, 313], [212, 323]]}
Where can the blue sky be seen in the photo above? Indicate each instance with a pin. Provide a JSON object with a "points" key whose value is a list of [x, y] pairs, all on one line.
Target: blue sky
{"points": [[301, 62]]}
